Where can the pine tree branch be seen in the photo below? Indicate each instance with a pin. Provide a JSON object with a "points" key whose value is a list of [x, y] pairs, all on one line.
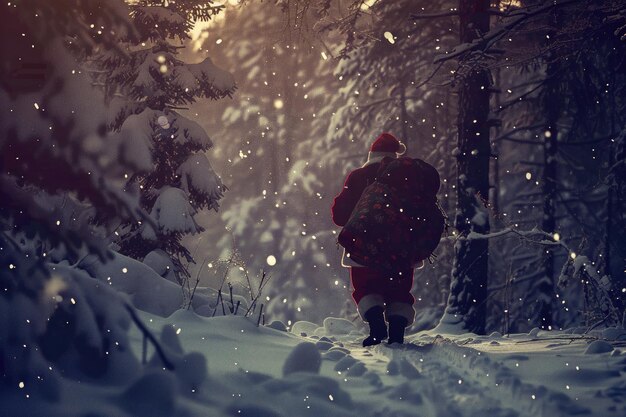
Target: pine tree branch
{"points": [[451, 13], [520, 98], [148, 335], [589, 142], [517, 17], [517, 140], [519, 129]]}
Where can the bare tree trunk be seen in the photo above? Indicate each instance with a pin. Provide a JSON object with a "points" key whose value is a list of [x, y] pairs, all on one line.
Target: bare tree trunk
{"points": [[468, 291]]}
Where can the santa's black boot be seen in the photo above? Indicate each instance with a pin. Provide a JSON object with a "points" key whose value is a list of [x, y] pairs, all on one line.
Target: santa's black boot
{"points": [[397, 324], [378, 327]]}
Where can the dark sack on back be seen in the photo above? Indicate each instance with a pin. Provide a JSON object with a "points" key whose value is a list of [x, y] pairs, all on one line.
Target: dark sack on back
{"points": [[397, 222]]}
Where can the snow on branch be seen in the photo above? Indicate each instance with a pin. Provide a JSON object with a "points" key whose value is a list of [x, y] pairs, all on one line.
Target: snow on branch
{"points": [[159, 22], [215, 82], [197, 176], [173, 213], [595, 286], [489, 39], [548, 239], [576, 266], [299, 172], [188, 130], [135, 138]]}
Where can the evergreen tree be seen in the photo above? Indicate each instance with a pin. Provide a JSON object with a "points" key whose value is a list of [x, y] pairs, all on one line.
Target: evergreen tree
{"points": [[147, 89], [56, 321]]}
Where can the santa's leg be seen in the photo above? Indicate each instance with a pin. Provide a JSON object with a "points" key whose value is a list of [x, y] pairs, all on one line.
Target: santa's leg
{"points": [[370, 303], [399, 309]]}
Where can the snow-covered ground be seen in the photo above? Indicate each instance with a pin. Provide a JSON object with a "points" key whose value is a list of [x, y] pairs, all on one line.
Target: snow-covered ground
{"points": [[244, 370]]}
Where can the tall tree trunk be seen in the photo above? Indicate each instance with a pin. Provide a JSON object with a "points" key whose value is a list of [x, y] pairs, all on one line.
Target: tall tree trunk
{"points": [[494, 196], [610, 192], [545, 286], [448, 194], [466, 309], [608, 224], [404, 117], [616, 258], [551, 103]]}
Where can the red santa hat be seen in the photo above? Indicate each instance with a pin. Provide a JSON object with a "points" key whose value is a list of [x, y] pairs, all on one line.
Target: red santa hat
{"points": [[385, 145]]}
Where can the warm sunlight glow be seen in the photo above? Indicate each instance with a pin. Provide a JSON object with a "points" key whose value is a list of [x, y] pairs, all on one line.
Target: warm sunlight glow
{"points": [[508, 4]]}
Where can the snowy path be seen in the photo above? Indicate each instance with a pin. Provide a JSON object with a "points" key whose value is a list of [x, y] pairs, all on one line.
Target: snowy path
{"points": [[429, 376], [444, 378], [466, 382], [229, 367]]}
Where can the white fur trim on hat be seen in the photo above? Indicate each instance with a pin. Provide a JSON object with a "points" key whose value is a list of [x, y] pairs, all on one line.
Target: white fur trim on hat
{"points": [[405, 310], [369, 301]]}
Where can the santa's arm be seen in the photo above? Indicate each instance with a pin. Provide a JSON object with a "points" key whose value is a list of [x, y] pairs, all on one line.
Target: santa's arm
{"points": [[346, 200]]}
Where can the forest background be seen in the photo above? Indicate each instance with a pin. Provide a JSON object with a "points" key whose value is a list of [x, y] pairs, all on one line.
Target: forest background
{"points": [[519, 105], [308, 107]]}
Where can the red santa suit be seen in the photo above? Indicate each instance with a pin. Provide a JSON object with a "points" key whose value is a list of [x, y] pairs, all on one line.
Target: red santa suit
{"points": [[371, 287]]}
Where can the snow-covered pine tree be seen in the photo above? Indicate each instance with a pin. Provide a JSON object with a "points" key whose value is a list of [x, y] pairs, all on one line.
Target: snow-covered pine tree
{"points": [[56, 320], [147, 88]]}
